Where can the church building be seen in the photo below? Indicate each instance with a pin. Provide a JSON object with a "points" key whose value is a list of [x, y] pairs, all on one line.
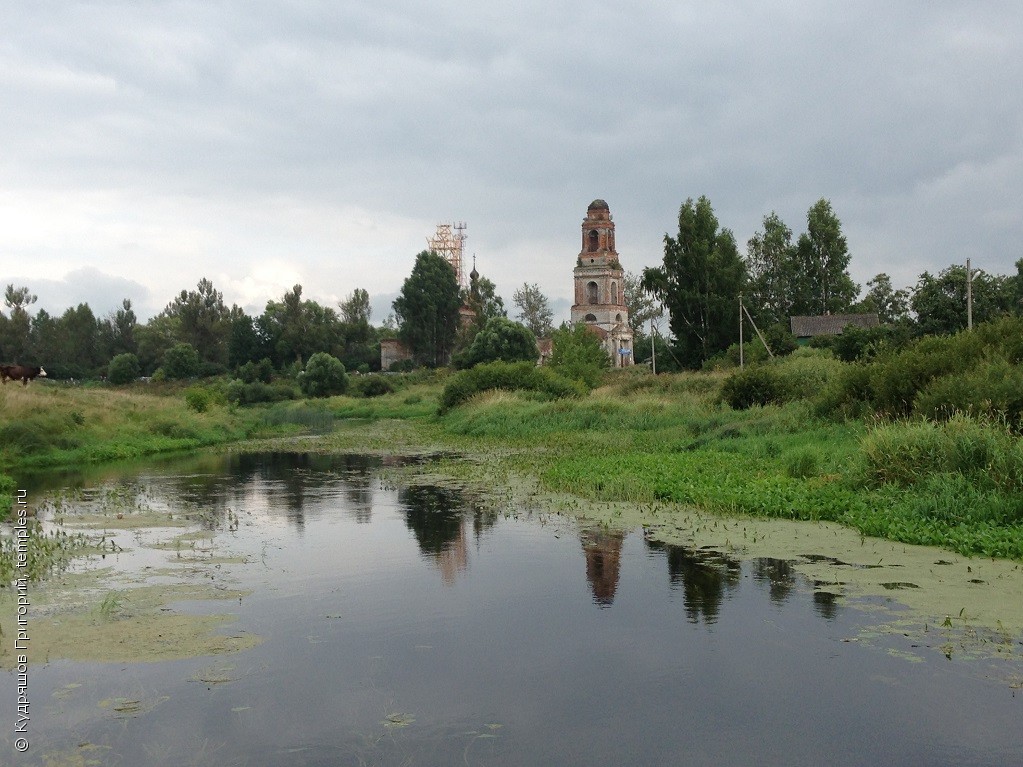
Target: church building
{"points": [[599, 286]]}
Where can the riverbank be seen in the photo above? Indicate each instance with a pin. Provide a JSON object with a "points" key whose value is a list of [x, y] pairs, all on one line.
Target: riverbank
{"points": [[638, 439], [53, 427], [643, 440]]}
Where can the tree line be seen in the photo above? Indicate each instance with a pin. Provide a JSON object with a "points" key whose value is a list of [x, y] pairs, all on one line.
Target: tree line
{"points": [[78, 344], [703, 274], [698, 283], [198, 334]]}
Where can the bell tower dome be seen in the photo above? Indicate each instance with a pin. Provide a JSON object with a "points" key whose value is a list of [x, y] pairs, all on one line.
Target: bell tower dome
{"points": [[599, 285]]}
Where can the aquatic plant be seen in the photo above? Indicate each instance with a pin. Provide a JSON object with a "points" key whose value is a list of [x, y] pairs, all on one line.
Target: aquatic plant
{"points": [[44, 553]]}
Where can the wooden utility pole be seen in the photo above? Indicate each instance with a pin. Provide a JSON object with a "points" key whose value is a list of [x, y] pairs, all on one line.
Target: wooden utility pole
{"points": [[969, 296], [741, 361], [653, 349]]}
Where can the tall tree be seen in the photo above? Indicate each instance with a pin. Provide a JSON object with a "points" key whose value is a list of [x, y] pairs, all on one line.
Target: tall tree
{"points": [[361, 348], [699, 282], [823, 285], [355, 309], [889, 304], [773, 272], [204, 320], [427, 309], [16, 340], [79, 350], [534, 309], [297, 329], [481, 297], [940, 302], [244, 343]]}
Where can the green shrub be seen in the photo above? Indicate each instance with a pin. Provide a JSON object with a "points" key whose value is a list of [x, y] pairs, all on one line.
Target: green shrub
{"points": [[756, 385], [804, 373], [905, 453], [324, 376], [509, 376], [371, 386], [846, 395], [896, 380], [123, 369], [579, 355], [993, 389], [500, 339], [240, 393], [251, 372], [198, 398], [181, 361]]}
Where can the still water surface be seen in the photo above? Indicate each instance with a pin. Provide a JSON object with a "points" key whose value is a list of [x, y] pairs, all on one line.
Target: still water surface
{"points": [[413, 625]]}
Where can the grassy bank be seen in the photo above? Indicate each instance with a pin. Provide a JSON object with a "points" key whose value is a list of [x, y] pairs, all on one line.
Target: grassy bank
{"points": [[956, 483], [47, 426]]}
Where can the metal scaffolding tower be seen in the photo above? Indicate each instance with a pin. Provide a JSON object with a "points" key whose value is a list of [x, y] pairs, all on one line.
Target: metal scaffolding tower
{"points": [[449, 242]]}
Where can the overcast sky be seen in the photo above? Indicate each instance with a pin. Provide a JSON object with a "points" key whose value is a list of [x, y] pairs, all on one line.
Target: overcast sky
{"points": [[145, 145]]}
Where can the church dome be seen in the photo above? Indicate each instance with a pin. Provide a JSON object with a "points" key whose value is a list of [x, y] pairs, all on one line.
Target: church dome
{"points": [[598, 205]]}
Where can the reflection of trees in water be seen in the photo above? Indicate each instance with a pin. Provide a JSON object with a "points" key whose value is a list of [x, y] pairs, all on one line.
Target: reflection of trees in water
{"points": [[603, 552], [290, 479], [778, 574], [704, 577], [359, 494], [438, 518], [826, 604]]}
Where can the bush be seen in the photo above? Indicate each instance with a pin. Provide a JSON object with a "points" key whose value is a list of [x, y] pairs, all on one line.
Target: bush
{"points": [[804, 373], [993, 389], [251, 372], [846, 395], [324, 376], [181, 361], [198, 398], [757, 385], [123, 369], [500, 339], [579, 355], [371, 386], [240, 393], [509, 376], [905, 453]]}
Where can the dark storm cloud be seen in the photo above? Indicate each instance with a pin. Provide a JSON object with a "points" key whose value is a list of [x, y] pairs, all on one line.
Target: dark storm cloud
{"points": [[908, 117]]}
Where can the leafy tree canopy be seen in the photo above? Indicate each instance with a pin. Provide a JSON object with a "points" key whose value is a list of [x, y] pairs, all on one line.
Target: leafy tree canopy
{"points": [[534, 309], [324, 376], [889, 304], [500, 339], [643, 307], [181, 361], [699, 283], [773, 272], [427, 310], [578, 354], [823, 284], [940, 302]]}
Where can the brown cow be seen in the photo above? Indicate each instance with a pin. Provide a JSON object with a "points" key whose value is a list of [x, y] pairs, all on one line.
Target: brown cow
{"points": [[23, 373]]}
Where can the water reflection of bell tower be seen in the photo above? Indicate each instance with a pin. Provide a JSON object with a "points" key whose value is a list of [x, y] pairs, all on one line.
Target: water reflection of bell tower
{"points": [[603, 553], [599, 285]]}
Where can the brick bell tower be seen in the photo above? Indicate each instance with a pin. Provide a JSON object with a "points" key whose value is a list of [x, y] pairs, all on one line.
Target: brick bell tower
{"points": [[599, 286]]}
